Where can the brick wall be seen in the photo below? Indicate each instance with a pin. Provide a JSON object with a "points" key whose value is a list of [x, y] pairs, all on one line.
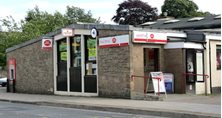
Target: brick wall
{"points": [[114, 69], [34, 69], [174, 63]]}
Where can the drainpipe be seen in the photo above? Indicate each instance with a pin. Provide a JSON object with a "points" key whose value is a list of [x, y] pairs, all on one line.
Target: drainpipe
{"points": [[210, 67]]}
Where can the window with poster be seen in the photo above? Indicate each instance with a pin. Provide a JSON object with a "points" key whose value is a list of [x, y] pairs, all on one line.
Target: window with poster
{"points": [[190, 67], [90, 56], [90, 80], [218, 51]]}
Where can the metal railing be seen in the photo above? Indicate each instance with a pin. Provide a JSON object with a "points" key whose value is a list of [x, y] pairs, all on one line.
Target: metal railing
{"points": [[145, 82]]}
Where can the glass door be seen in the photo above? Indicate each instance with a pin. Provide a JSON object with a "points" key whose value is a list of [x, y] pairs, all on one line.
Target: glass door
{"points": [[62, 65], [90, 78], [151, 60], [75, 64], [151, 64]]}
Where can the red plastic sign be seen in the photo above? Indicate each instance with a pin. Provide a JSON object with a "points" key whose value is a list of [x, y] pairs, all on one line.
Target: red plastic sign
{"points": [[47, 44], [116, 41], [149, 37]]}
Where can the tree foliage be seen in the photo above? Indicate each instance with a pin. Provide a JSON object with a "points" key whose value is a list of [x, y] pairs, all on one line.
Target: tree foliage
{"points": [[37, 23], [134, 12], [181, 9], [76, 14], [9, 38]]}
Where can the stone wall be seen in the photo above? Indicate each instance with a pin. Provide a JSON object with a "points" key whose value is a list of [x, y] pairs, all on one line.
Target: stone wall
{"points": [[114, 69], [34, 69], [174, 63], [137, 68]]}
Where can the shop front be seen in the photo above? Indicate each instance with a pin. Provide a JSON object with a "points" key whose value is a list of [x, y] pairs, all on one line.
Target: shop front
{"points": [[185, 59], [100, 60], [75, 65], [75, 61], [146, 56]]}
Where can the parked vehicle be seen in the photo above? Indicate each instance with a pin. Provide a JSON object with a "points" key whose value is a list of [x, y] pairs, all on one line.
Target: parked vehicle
{"points": [[3, 81]]}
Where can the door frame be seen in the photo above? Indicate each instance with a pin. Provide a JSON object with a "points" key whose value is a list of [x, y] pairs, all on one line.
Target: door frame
{"points": [[55, 59]]}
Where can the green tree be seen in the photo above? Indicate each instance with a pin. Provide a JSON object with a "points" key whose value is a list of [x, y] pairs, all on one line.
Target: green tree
{"points": [[134, 12], [8, 38], [38, 22], [35, 24], [76, 14], [2, 50], [180, 8]]}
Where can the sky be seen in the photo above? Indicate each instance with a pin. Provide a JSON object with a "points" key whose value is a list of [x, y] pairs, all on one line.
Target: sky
{"points": [[105, 9]]}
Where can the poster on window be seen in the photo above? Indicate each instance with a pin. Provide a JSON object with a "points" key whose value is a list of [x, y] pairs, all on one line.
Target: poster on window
{"points": [[190, 68], [63, 56], [199, 66], [218, 57], [62, 47], [91, 45]]}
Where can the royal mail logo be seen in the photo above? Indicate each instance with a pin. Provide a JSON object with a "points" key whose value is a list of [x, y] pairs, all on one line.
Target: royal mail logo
{"points": [[47, 43], [114, 40], [151, 36]]}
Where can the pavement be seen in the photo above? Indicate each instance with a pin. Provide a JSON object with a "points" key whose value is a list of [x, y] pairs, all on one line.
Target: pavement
{"points": [[174, 106]]}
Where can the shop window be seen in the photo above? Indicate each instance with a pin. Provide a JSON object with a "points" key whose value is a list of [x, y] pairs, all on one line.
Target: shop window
{"points": [[62, 50], [190, 65], [218, 59], [90, 56], [76, 51]]}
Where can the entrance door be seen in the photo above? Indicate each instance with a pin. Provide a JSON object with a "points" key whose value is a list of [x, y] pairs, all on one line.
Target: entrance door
{"points": [[62, 65], [151, 60], [75, 64], [151, 64]]}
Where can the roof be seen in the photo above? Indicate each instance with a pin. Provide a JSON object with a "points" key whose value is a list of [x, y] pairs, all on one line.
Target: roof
{"points": [[208, 22], [73, 26]]}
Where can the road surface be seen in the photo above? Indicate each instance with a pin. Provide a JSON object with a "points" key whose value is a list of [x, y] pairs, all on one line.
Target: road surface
{"points": [[18, 110]]}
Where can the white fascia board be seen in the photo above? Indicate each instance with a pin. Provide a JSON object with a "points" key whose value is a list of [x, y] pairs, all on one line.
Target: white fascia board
{"points": [[173, 45], [186, 45], [176, 34], [193, 45], [213, 36]]}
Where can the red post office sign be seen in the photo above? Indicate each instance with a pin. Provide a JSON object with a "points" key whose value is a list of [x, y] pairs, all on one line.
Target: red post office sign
{"points": [[115, 41], [67, 32], [47, 43], [149, 37]]}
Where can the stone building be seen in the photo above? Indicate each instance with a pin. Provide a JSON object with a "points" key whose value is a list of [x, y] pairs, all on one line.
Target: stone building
{"points": [[77, 60], [210, 29]]}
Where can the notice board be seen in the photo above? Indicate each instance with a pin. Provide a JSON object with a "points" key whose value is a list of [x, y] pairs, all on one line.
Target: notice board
{"points": [[161, 87]]}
